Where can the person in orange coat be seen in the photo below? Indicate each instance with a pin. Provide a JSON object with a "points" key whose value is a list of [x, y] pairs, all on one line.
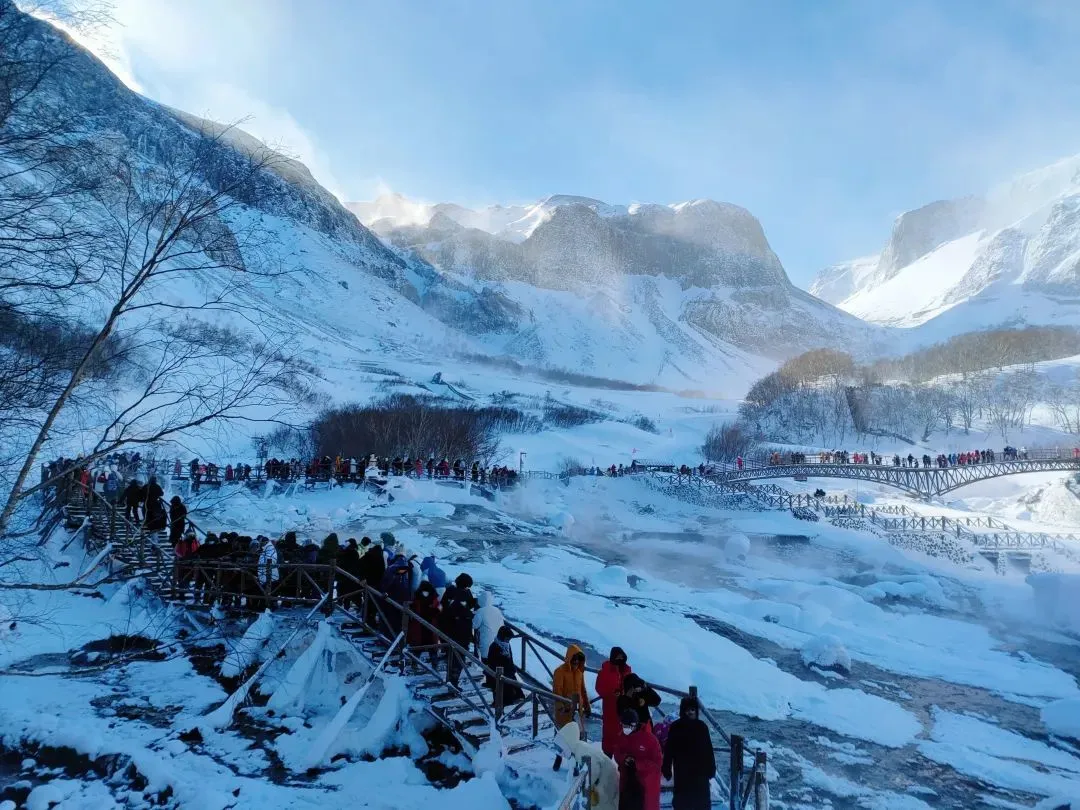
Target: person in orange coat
{"points": [[569, 682], [609, 686]]}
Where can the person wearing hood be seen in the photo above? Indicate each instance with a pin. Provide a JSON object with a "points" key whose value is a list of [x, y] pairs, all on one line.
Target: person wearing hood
{"points": [[568, 681], [112, 486], [155, 519], [177, 519], [639, 696], [397, 585], [689, 756], [640, 760], [486, 622], [497, 655], [435, 575], [268, 558], [609, 686], [605, 774], [425, 604], [459, 606]]}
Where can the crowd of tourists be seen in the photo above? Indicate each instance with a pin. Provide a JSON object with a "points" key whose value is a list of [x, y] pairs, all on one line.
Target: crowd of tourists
{"points": [[641, 748]]}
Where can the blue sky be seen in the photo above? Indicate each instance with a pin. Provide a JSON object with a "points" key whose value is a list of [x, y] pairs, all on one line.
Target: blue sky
{"points": [[825, 119]]}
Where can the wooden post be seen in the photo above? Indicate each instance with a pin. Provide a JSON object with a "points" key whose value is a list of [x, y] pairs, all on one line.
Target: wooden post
{"points": [[587, 784], [736, 767], [535, 715], [498, 693], [761, 782]]}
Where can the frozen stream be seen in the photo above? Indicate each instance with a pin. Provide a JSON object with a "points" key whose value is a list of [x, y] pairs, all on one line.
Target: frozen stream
{"points": [[815, 766], [948, 667]]}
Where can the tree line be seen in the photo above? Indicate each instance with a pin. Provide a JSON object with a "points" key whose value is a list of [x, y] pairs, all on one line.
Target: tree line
{"points": [[825, 397]]}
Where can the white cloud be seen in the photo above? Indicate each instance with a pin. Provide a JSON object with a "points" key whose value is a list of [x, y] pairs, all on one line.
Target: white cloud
{"points": [[203, 58]]}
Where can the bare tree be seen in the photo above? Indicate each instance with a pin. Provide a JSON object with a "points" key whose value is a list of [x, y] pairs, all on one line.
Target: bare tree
{"points": [[726, 442], [179, 220]]}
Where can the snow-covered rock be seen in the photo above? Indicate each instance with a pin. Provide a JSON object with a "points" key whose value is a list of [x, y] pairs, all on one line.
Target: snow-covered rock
{"points": [[1062, 717], [737, 547], [1057, 599], [828, 653], [250, 648]]}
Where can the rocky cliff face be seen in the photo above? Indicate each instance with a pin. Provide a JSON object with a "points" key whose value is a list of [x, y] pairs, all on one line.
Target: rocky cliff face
{"points": [[575, 242], [733, 287], [918, 232], [1011, 255]]}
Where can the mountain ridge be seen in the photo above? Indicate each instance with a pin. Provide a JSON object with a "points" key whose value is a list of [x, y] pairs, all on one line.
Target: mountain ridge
{"points": [[1015, 247]]}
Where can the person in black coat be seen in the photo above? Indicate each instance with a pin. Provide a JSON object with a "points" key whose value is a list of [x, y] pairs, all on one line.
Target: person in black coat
{"points": [[177, 519], [499, 655], [639, 696], [688, 754], [155, 506], [372, 571], [349, 562], [134, 496], [459, 605]]}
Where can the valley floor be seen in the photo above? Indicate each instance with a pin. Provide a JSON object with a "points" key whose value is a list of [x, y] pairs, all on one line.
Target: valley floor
{"points": [[949, 666]]}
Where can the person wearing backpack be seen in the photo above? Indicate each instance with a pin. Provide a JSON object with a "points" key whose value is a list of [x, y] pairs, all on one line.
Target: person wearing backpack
{"points": [[397, 585], [112, 486], [459, 606], [689, 756]]}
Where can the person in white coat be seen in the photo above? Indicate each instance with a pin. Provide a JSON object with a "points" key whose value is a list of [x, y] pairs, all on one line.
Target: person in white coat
{"points": [[267, 562], [487, 621], [605, 773]]}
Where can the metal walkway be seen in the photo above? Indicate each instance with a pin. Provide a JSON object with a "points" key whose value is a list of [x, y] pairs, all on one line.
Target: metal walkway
{"points": [[923, 482], [984, 532]]}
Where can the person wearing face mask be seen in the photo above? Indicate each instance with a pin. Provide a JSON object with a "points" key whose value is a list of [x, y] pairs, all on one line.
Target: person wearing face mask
{"points": [[639, 759], [569, 682], [609, 686], [688, 754]]}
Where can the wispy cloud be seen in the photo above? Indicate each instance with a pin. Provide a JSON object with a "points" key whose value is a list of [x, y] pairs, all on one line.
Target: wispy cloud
{"points": [[204, 58]]}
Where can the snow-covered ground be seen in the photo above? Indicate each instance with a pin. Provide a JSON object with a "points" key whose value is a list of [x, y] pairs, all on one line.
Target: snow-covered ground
{"points": [[935, 650]]}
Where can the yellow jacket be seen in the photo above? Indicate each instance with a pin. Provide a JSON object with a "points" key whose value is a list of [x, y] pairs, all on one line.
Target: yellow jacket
{"points": [[569, 683]]}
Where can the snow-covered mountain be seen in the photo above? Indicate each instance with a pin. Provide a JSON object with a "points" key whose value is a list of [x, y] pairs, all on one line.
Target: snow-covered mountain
{"points": [[685, 296], [1010, 256], [698, 269]]}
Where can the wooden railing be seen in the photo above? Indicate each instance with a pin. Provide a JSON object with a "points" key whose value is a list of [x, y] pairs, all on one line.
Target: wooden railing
{"points": [[229, 582]]}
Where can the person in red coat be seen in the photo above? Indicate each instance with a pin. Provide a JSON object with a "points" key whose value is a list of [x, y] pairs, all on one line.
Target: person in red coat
{"points": [[425, 604], [639, 759], [609, 686]]}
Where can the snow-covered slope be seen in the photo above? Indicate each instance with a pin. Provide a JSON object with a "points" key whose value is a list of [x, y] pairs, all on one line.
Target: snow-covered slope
{"points": [[1010, 256], [721, 280], [682, 296]]}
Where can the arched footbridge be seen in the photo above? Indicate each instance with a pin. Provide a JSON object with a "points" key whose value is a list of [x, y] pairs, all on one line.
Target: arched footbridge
{"points": [[924, 482]]}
